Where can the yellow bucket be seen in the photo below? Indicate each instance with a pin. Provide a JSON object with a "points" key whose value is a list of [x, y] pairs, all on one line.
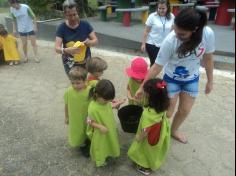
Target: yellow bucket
{"points": [[81, 56]]}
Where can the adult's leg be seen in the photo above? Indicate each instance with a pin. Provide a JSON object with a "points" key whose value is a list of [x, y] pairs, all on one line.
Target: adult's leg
{"points": [[34, 46], [152, 51], [171, 109], [24, 45], [186, 103]]}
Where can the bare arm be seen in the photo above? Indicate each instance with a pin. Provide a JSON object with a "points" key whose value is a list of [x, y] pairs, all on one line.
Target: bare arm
{"points": [[91, 40], [35, 24], [102, 128], [209, 66], [58, 45], [145, 34], [60, 50], [152, 73], [130, 96], [141, 136], [14, 25]]}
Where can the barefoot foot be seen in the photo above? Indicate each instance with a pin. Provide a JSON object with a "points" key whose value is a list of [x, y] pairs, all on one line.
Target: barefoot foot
{"points": [[179, 137]]}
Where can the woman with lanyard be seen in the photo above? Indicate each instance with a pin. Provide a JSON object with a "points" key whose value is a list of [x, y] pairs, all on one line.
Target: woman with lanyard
{"points": [[70, 32], [158, 26], [180, 53]]}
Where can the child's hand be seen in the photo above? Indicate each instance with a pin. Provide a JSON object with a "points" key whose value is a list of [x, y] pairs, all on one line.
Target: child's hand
{"points": [[103, 129], [139, 93], [116, 103], [134, 99]]}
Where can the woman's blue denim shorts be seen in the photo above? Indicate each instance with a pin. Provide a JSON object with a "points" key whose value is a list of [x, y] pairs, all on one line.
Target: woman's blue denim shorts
{"points": [[24, 34], [174, 88]]}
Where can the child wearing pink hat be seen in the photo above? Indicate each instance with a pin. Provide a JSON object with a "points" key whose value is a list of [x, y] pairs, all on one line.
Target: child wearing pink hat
{"points": [[136, 73]]}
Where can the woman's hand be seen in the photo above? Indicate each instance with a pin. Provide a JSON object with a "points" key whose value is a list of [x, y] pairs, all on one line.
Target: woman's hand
{"points": [[35, 28], [143, 47], [139, 93], [209, 87], [72, 50], [86, 42]]}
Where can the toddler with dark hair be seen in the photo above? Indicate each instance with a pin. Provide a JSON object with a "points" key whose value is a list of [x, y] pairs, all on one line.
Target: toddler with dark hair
{"points": [[102, 128], [149, 148]]}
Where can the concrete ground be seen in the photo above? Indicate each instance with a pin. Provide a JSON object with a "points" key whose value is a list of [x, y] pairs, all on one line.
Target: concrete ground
{"points": [[33, 136]]}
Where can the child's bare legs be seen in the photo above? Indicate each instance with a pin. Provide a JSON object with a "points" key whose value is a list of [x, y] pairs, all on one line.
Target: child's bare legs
{"points": [[35, 48], [186, 103]]}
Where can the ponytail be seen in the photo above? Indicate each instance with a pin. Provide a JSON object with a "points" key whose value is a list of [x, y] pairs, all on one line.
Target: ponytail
{"points": [[192, 20], [92, 93]]}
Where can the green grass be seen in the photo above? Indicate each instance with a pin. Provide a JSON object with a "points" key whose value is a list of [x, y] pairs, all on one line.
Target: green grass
{"points": [[4, 10]]}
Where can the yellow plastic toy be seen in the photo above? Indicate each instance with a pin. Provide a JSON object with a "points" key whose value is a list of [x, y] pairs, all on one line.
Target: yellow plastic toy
{"points": [[81, 56]]}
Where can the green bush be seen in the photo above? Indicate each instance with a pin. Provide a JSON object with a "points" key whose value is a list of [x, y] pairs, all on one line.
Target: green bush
{"points": [[47, 9], [3, 3], [43, 9]]}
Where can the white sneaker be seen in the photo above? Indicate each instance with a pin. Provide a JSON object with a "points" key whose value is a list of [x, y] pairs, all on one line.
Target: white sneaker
{"points": [[10, 63], [143, 170]]}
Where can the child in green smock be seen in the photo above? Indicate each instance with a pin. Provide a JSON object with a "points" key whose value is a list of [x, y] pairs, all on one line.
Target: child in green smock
{"points": [[95, 67], [102, 127], [136, 73], [146, 155], [76, 109]]}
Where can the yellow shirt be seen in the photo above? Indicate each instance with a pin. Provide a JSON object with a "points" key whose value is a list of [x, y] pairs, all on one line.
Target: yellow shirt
{"points": [[9, 47]]}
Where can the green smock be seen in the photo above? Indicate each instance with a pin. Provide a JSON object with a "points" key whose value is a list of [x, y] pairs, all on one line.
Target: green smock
{"points": [[102, 145], [134, 86], [142, 153], [77, 102]]}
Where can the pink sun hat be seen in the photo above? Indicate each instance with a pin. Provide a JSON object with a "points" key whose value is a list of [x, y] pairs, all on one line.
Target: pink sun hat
{"points": [[138, 69]]}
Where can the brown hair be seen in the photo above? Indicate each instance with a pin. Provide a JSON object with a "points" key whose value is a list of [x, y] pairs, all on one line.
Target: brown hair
{"points": [[193, 20], [96, 64], [104, 89], [77, 73], [13, 1], [167, 3]]}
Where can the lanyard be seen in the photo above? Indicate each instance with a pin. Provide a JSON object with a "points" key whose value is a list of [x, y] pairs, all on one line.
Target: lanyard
{"points": [[163, 24]]}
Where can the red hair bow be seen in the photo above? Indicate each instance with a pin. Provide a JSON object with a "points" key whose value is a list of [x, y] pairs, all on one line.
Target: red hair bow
{"points": [[161, 85]]}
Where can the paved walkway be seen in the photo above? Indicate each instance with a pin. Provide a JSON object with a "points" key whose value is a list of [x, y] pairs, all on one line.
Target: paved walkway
{"points": [[33, 136], [224, 35]]}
